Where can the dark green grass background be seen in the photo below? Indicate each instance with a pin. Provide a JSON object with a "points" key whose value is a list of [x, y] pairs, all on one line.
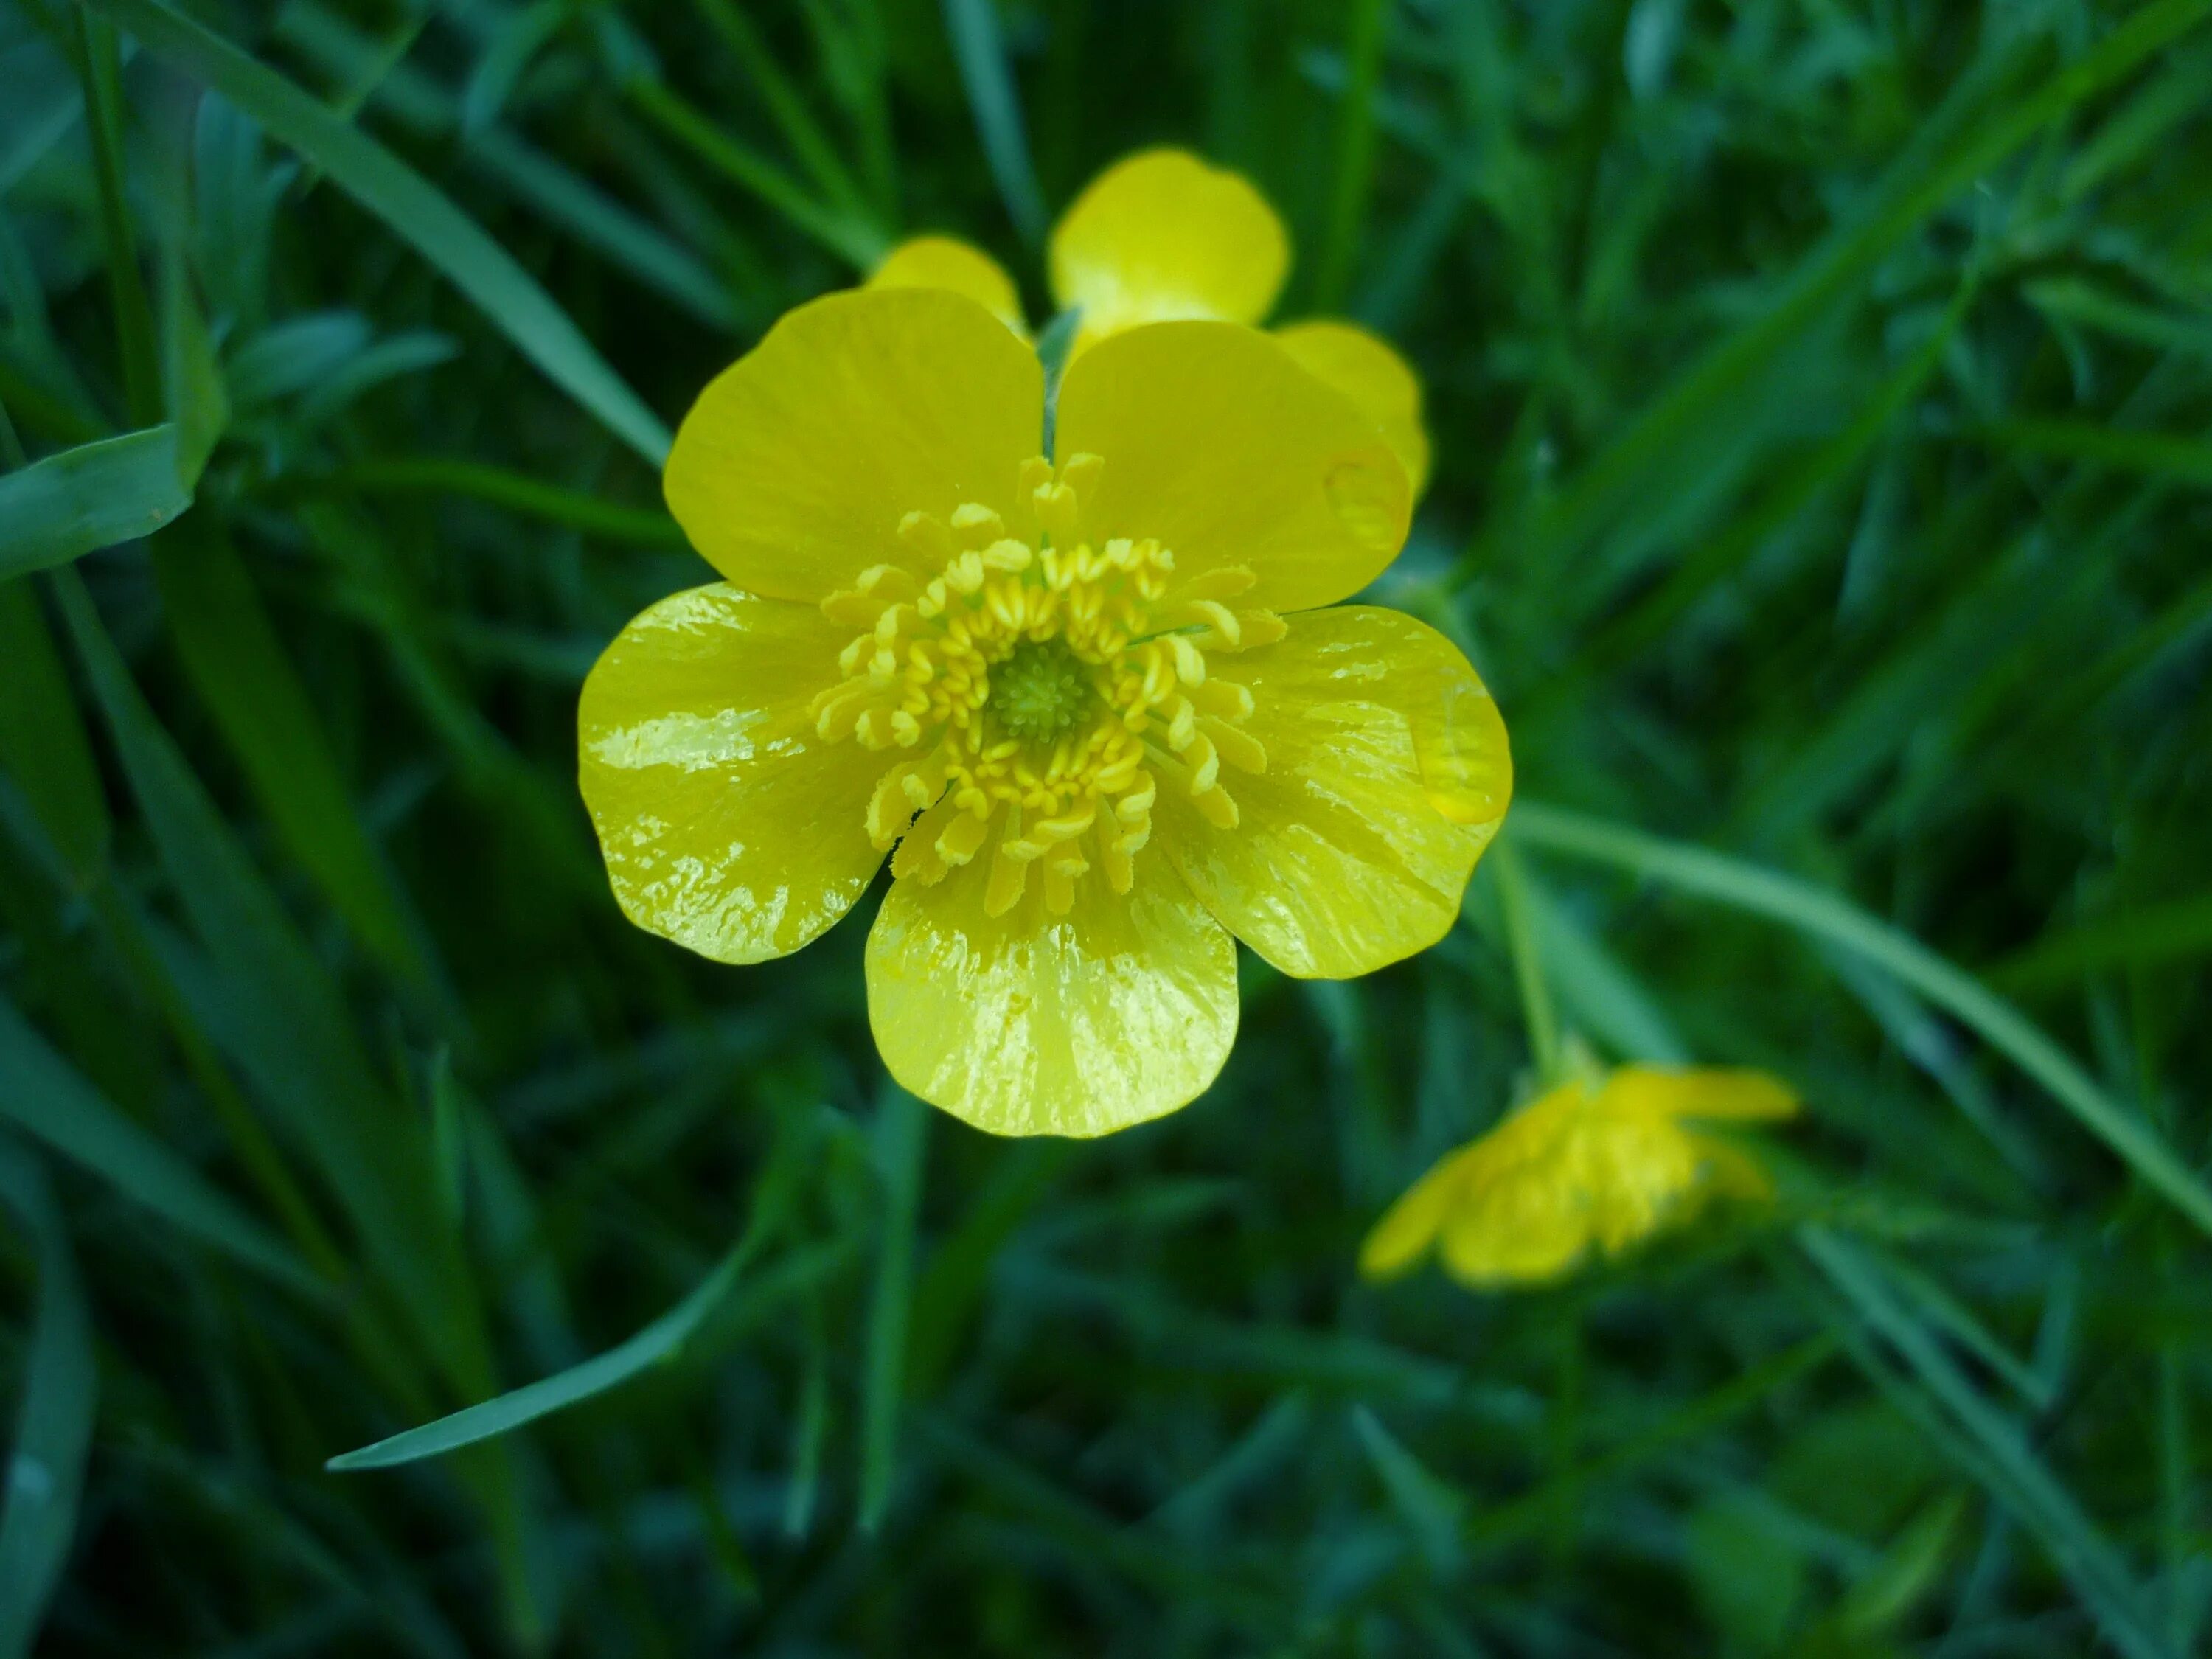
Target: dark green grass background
{"points": [[1823, 394]]}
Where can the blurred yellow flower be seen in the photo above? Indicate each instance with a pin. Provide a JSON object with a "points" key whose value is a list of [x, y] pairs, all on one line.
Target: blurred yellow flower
{"points": [[1606, 1162], [1162, 236], [1090, 699]]}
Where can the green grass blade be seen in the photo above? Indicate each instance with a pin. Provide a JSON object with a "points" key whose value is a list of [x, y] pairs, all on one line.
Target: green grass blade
{"points": [[45, 1097], [53, 1421], [285, 1021], [577, 509], [901, 1140], [2172, 930], [1821, 915], [2004, 1460], [1432, 1509], [979, 47], [629, 242], [237, 665], [1366, 23], [1956, 150], [657, 1344], [2152, 454], [93, 496], [510, 299], [43, 743]]}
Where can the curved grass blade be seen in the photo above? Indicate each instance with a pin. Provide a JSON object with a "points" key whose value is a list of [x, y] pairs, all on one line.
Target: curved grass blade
{"points": [[53, 1425], [415, 210], [517, 492], [900, 1143], [237, 665], [90, 497], [44, 1096], [1996, 1453], [43, 743], [980, 48], [658, 1343], [1823, 916]]}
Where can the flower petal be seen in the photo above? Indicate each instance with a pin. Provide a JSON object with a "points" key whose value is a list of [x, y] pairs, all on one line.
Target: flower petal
{"points": [[1713, 1092], [792, 473], [1161, 235], [1411, 1225], [1368, 370], [726, 825], [1219, 445], [1030, 1024], [1387, 774], [958, 267]]}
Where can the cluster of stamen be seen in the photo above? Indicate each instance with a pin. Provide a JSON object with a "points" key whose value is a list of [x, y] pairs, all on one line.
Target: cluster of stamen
{"points": [[1045, 688]]}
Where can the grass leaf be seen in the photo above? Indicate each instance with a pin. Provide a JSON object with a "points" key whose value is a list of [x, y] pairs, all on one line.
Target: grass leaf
{"points": [[93, 496]]}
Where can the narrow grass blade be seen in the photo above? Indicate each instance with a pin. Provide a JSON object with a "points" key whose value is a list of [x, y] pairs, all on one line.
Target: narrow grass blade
{"points": [[954, 1281], [2153, 455], [517, 491], [275, 1007], [625, 240], [236, 664], [1431, 1508], [1810, 911], [900, 1139], [2173, 931], [1956, 148], [93, 496], [53, 1422], [193, 396], [658, 1343], [415, 210], [979, 47], [2001, 1457], [42, 1095], [1364, 27], [43, 743]]}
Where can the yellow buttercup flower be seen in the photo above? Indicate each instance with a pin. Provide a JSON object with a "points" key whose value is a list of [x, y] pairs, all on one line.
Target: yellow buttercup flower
{"points": [[1162, 236], [1604, 1162], [1088, 698]]}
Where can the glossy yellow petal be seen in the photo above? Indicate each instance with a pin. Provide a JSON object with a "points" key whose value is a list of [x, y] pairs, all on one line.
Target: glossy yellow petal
{"points": [[958, 267], [1410, 1226], [1717, 1093], [726, 825], [1525, 1227], [1386, 775], [794, 470], [1030, 1024], [1216, 442], [1368, 370], [1160, 236]]}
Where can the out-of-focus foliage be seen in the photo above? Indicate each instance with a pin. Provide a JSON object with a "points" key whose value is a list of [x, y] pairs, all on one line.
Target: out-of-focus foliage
{"points": [[1822, 401]]}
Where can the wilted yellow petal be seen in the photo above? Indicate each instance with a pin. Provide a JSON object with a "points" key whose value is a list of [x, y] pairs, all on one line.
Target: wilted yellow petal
{"points": [[1162, 235], [958, 267], [726, 824], [1219, 445], [794, 470], [1121, 1009], [1386, 775], [1368, 370]]}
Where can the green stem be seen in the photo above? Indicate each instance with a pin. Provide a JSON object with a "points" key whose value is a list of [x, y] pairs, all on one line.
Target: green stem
{"points": [[1537, 1013], [1355, 151]]}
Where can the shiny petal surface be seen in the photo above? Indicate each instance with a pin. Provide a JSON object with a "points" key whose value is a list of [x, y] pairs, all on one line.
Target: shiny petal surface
{"points": [[958, 267], [726, 825], [792, 473], [1030, 1024], [1368, 370], [1387, 775], [1217, 443], [1713, 1092], [1161, 236]]}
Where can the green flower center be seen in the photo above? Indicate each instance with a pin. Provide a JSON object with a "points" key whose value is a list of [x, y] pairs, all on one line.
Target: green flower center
{"points": [[1040, 690]]}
